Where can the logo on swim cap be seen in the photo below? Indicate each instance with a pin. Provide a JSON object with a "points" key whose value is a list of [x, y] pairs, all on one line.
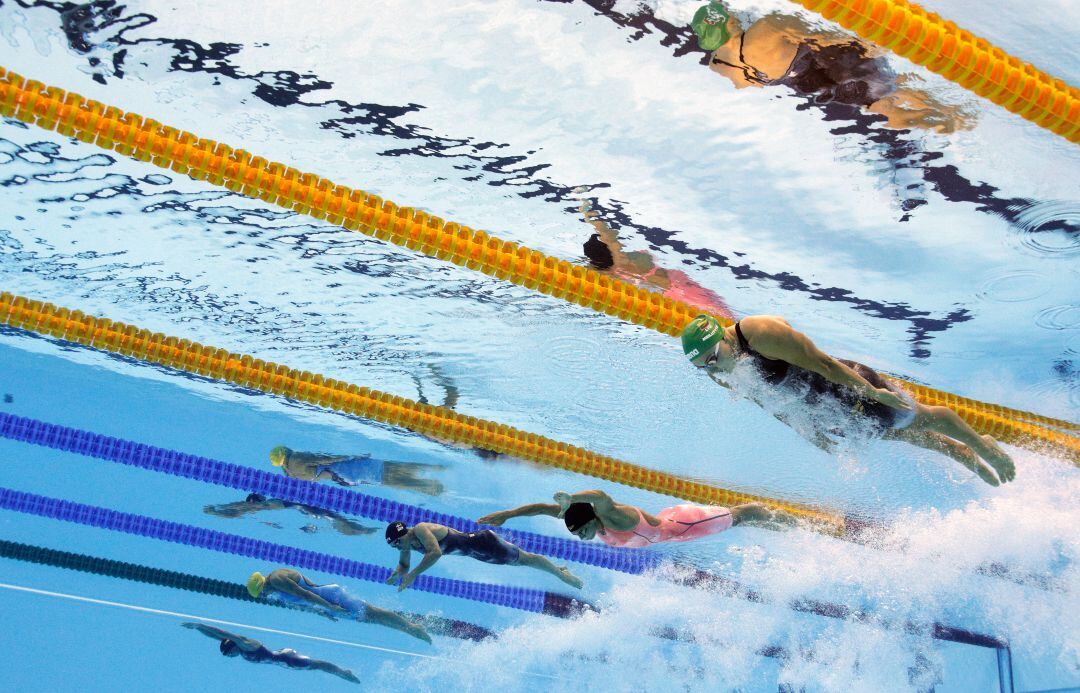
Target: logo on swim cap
{"points": [[701, 335], [710, 25], [395, 531]]}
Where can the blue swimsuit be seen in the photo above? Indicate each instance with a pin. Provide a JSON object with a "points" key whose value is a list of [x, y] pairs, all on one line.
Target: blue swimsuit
{"points": [[353, 471], [335, 594]]}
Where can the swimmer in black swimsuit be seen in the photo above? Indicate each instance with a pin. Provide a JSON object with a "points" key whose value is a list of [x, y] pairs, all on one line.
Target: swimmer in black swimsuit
{"points": [[788, 359], [435, 540], [256, 502], [233, 645]]}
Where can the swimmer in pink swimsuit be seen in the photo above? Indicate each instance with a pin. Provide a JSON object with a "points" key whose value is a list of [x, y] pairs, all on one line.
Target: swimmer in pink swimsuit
{"points": [[605, 253], [592, 514]]}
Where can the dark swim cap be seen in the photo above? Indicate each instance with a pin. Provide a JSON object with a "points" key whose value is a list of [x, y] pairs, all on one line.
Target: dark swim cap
{"points": [[598, 253], [710, 25], [395, 531], [578, 515], [255, 498], [227, 647]]}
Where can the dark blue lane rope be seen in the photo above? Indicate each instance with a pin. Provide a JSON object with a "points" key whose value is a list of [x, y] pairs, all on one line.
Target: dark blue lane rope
{"points": [[348, 501], [96, 565], [279, 486], [516, 597]]}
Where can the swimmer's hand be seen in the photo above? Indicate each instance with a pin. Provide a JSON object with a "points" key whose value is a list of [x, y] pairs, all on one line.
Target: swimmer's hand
{"points": [[891, 399], [394, 575], [563, 499], [495, 519], [406, 581]]}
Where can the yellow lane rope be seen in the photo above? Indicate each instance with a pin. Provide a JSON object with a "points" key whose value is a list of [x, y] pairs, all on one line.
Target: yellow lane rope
{"points": [[432, 421], [147, 140], [974, 63]]}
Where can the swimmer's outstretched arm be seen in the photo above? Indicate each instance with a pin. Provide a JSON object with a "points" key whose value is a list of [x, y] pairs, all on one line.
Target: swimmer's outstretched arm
{"points": [[532, 509], [775, 339], [246, 644]]}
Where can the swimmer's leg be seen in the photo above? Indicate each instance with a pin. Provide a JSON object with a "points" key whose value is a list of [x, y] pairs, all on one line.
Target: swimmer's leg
{"points": [[331, 668], [392, 619], [532, 560], [758, 515], [947, 446], [404, 475]]}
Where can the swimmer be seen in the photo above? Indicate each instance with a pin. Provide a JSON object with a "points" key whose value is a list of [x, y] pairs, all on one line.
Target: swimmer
{"points": [[435, 540], [591, 514], [825, 64], [787, 359], [606, 254], [353, 470], [233, 645], [331, 601], [256, 502]]}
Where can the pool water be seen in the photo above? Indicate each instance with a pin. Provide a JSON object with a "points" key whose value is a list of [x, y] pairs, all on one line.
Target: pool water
{"points": [[946, 257]]}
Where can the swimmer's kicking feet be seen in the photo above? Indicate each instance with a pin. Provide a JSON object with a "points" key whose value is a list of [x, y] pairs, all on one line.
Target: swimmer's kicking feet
{"points": [[233, 645], [434, 540], [332, 601], [590, 514]]}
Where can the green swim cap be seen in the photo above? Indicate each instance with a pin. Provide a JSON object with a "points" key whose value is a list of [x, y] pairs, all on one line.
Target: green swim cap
{"points": [[710, 25], [701, 335]]}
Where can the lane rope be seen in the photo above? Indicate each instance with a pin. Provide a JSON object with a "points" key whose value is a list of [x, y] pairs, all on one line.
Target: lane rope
{"points": [[160, 577]]}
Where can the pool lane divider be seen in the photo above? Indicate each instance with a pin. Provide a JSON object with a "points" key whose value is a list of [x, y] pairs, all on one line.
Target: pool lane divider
{"points": [[523, 598], [147, 140], [353, 502], [434, 422], [96, 565], [956, 54]]}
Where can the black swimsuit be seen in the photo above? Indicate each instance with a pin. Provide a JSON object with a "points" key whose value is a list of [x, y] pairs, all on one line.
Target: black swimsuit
{"points": [[818, 390], [485, 545]]}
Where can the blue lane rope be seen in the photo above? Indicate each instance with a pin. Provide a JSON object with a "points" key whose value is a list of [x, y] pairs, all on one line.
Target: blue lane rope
{"points": [[523, 598], [96, 565], [299, 491], [356, 503]]}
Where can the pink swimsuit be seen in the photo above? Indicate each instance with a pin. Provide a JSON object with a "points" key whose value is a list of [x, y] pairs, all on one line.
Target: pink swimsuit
{"points": [[678, 523], [682, 288]]}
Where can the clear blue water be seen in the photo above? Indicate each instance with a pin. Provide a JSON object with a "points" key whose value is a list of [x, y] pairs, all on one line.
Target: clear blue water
{"points": [[948, 258]]}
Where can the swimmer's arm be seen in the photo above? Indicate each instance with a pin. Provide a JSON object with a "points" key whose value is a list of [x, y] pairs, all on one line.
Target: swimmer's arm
{"points": [[432, 553], [218, 634], [530, 510], [293, 588], [600, 501], [796, 348]]}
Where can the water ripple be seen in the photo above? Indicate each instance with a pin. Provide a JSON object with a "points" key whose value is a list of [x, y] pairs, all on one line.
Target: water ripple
{"points": [[1049, 229], [1015, 286]]}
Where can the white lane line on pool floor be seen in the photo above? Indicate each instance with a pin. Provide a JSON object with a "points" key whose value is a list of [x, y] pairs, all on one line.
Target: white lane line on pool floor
{"points": [[206, 619]]}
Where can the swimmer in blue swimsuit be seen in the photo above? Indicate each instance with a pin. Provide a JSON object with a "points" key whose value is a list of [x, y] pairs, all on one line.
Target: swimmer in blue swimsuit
{"points": [[256, 502], [787, 360], [233, 645], [435, 541], [346, 470], [332, 601]]}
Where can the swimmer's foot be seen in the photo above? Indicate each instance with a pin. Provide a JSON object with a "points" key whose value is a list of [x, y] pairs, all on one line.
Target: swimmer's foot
{"points": [[417, 631], [569, 578], [998, 459]]}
